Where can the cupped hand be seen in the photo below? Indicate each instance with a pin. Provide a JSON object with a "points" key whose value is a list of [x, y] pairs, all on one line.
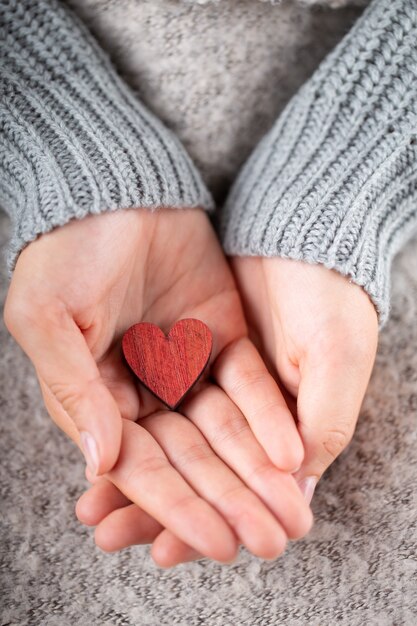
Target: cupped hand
{"points": [[77, 289], [225, 469], [217, 454], [318, 332]]}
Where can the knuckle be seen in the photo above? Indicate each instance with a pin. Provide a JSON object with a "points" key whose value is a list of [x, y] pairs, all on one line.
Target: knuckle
{"points": [[263, 471], [68, 395], [194, 454], [243, 380], [72, 395], [184, 503], [232, 501], [268, 407], [235, 427], [146, 468]]}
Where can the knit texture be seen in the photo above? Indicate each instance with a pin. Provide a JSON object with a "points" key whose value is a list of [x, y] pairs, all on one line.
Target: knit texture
{"points": [[334, 4], [335, 179], [217, 75], [74, 139], [357, 567]]}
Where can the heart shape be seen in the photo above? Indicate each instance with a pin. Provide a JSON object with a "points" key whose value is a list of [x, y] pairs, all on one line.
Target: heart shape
{"points": [[168, 365]]}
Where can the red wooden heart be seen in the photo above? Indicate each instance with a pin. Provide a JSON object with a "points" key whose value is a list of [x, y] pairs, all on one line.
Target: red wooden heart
{"points": [[168, 365]]}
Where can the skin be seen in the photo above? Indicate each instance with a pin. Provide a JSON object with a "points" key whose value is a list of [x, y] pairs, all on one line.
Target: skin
{"points": [[218, 474], [318, 333]]}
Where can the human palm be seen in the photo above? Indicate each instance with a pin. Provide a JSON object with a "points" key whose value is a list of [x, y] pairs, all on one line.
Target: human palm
{"points": [[73, 294], [318, 333]]}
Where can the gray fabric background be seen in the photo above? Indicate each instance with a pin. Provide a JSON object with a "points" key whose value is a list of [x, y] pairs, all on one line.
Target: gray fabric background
{"points": [[218, 75], [357, 567]]}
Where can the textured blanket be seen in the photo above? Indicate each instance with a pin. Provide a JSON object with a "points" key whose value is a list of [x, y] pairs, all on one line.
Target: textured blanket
{"points": [[357, 567]]}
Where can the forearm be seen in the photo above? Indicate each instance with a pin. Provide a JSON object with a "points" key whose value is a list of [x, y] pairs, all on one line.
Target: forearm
{"points": [[335, 180], [74, 139]]}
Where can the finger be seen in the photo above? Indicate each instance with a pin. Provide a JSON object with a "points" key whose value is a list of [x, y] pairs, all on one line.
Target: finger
{"points": [[332, 388], [124, 527], [99, 501], [167, 550], [60, 416], [131, 526], [121, 383], [61, 356], [122, 524], [240, 371], [144, 474], [231, 438], [214, 481], [92, 478], [125, 393]]}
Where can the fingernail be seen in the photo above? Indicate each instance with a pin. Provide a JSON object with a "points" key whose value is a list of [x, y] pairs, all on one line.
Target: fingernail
{"points": [[90, 451], [307, 486]]}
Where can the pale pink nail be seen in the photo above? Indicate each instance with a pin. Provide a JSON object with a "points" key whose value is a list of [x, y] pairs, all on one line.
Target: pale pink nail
{"points": [[307, 486], [90, 451]]}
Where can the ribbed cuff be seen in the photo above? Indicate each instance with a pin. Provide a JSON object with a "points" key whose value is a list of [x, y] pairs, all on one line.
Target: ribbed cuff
{"points": [[335, 180], [74, 139]]}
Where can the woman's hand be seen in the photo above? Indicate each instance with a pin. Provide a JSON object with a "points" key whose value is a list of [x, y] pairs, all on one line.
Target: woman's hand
{"points": [[199, 495], [74, 293], [318, 332]]}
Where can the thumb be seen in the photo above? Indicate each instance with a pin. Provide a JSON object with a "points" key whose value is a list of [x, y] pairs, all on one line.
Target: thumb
{"points": [[330, 395], [65, 365]]}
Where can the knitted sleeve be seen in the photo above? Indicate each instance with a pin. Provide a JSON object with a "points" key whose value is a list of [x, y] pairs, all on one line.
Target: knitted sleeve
{"points": [[74, 140], [335, 179]]}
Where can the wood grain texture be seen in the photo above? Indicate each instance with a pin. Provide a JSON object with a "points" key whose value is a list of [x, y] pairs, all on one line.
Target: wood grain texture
{"points": [[168, 365]]}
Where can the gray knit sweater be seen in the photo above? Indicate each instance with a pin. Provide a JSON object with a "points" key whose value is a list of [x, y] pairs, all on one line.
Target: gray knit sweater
{"points": [[334, 181]]}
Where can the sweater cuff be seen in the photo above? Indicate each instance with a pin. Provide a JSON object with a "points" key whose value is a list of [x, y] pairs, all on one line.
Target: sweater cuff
{"points": [[74, 138], [335, 180]]}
